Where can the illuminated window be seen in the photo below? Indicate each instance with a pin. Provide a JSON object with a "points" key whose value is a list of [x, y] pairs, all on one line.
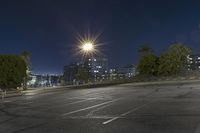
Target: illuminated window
{"points": [[99, 66]]}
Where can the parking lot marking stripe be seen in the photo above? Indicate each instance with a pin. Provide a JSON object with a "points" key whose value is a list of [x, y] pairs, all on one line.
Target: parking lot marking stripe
{"points": [[72, 112], [115, 118], [91, 94], [78, 101], [67, 104], [93, 111]]}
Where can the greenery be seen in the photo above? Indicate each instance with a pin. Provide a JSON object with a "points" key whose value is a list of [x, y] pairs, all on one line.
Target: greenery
{"points": [[148, 65], [83, 74], [174, 60], [171, 62], [149, 62], [12, 70], [145, 49], [26, 57]]}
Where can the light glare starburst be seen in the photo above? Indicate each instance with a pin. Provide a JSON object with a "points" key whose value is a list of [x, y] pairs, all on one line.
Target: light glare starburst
{"points": [[88, 45]]}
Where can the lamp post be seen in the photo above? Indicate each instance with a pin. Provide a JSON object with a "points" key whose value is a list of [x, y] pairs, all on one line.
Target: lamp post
{"points": [[87, 48]]}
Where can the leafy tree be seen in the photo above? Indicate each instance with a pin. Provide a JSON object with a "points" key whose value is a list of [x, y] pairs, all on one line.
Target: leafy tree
{"points": [[26, 56], [12, 71], [145, 49], [62, 82], [148, 65], [173, 61], [83, 74]]}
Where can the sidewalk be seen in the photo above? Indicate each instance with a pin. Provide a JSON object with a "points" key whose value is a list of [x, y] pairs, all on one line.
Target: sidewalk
{"points": [[165, 82], [32, 91], [42, 90]]}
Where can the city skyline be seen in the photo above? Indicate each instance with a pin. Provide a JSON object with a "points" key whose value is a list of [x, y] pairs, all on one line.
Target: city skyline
{"points": [[48, 29]]}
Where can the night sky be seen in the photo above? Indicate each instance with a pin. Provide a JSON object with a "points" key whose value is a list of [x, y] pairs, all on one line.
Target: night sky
{"points": [[48, 28]]}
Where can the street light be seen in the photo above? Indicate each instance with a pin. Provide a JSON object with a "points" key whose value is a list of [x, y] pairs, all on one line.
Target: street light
{"points": [[88, 47]]}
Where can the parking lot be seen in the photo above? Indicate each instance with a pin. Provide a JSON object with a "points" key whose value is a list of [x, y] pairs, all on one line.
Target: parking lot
{"points": [[161, 108]]}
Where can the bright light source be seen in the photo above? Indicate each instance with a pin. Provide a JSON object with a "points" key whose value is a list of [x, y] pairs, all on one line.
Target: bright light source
{"points": [[88, 46]]}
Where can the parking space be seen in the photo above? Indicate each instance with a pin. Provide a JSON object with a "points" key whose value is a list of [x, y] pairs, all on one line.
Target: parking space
{"points": [[128, 108]]}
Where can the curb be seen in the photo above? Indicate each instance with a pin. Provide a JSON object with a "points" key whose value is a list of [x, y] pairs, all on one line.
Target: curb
{"points": [[35, 91]]}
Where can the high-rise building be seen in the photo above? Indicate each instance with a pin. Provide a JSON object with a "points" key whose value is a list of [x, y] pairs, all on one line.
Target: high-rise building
{"points": [[193, 62], [98, 67], [126, 72], [113, 74], [70, 72], [91, 69]]}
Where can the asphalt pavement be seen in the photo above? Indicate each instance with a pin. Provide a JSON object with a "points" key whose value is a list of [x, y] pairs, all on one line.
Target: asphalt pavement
{"points": [[127, 108]]}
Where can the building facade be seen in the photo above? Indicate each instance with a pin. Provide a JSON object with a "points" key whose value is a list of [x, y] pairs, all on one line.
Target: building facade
{"points": [[70, 72], [126, 72], [193, 62], [113, 74], [44, 80], [98, 67]]}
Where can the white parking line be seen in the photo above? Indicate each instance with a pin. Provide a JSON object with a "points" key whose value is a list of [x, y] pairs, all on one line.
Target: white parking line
{"points": [[75, 111], [91, 94], [90, 117], [115, 118], [6, 101], [79, 101], [63, 105], [93, 111]]}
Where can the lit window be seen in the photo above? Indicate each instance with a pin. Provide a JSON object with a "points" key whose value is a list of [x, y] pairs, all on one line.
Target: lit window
{"points": [[99, 66], [96, 71]]}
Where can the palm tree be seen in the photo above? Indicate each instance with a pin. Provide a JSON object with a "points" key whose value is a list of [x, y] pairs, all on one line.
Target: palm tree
{"points": [[145, 49]]}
